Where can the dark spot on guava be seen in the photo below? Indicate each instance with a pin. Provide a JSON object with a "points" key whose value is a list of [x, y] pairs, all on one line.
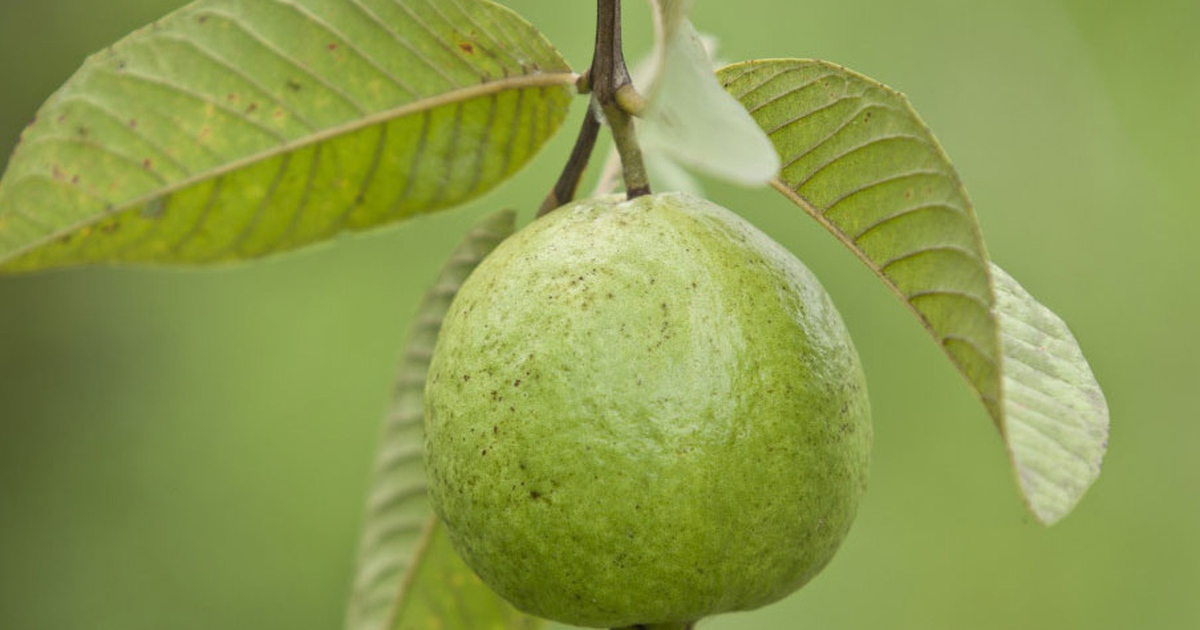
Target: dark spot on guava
{"points": [[517, 383], [483, 453], [535, 495], [466, 377]]}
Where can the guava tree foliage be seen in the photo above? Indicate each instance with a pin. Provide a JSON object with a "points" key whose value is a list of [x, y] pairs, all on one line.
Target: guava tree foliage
{"points": [[230, 130]]}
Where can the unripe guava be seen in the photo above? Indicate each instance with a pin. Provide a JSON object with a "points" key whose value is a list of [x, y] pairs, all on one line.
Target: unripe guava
{"points": [[644, 412]]}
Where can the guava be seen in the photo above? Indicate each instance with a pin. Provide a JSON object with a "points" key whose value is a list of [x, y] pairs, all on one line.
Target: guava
{"points": [[642, 413]]}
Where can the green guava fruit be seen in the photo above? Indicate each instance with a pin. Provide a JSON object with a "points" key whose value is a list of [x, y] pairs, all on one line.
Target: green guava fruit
{"points": [[642, 413]]}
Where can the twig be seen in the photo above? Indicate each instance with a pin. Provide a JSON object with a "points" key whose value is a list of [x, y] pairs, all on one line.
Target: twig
{"points": [[614, 98]]}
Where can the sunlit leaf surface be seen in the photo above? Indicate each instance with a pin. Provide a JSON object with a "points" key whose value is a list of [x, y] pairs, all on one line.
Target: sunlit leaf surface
{"points": [[859, 160], [396, 534], [231, 129]]}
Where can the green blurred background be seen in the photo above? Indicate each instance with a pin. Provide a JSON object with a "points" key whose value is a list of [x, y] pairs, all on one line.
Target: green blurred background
{"points": [[190, 449]]}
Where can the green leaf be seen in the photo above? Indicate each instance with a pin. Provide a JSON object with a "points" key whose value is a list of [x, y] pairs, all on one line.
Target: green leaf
{"points": [[232, 129], [442, 592], [396, 536], [1056, 418], [859, 160]]}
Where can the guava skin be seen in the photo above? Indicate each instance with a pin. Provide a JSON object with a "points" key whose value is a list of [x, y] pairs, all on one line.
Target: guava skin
{"points": [[644, 412]]}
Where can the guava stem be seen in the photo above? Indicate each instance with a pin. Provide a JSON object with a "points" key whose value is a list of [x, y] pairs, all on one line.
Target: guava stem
{"points": [[615, 101], [609, 75], [568, 182]]}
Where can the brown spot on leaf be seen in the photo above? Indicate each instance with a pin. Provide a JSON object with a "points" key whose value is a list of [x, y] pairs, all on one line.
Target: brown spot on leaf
{"points": [[466, 47], [147, 164], [331, 47]]}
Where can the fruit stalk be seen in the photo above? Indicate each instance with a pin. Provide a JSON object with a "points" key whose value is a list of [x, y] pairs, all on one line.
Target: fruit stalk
{"points": [[611, 88]]}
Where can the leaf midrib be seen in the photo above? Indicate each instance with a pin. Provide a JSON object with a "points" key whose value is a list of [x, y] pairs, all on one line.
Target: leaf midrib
{"points": [[489, 88], [799, 200]]}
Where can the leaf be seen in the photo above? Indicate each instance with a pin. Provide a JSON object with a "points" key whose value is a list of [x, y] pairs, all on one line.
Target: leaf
{"points": [[232, 129], [690, 118], [859, 160], [1056, 416], [395, 534], [670, 15], [444, 593]]}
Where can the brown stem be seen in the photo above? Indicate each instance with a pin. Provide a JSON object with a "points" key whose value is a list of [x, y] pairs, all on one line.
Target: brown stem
{"points": [[609, 75], [613, 97], [568, 182]]}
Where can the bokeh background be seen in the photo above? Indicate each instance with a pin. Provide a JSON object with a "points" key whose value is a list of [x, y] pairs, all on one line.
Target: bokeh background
{"points": [[189, 450]]}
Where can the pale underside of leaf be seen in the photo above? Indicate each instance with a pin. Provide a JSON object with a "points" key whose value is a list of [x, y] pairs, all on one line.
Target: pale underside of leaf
{"points": [[1056, 417], [232, 129], [858, 159], [690, 118], [397, 542]]}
